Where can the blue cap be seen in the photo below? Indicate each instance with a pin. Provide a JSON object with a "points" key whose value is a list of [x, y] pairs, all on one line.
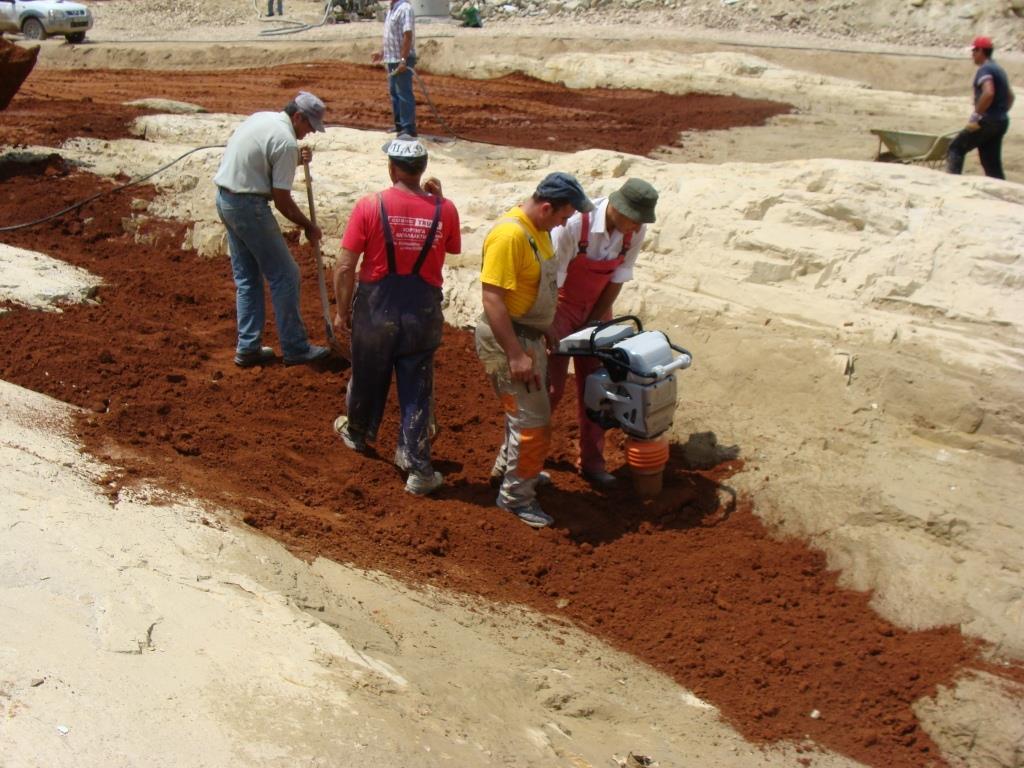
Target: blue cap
{"points": [[563, 186]]}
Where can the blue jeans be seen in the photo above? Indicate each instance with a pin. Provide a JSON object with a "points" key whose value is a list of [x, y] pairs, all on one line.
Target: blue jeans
{"points": [[403, 102], [396, 326], [270, 7], [258, 251]]}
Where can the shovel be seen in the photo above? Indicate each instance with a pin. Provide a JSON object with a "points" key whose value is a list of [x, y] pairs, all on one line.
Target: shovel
{"points": [[321, 279]]}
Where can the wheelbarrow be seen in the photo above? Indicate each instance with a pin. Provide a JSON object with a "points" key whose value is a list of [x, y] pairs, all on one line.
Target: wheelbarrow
{"points": [[908, 147]]}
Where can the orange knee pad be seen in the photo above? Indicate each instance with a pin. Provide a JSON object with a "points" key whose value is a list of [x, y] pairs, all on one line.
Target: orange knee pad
{"points": [[534, 443]]}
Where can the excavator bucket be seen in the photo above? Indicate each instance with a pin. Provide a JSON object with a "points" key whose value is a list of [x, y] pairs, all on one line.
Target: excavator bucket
{"points": [[15, 64]]}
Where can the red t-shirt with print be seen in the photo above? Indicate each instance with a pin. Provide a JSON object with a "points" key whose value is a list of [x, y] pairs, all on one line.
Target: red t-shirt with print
{"points": [[410, 216]]}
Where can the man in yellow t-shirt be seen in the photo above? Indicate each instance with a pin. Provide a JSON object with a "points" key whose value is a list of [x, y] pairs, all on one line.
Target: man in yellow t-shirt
{"points": [[520, 292]]}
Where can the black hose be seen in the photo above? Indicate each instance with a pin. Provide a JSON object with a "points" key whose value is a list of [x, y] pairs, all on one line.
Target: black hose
{"points": [[430, 103], [291, 27], [132, 183]]}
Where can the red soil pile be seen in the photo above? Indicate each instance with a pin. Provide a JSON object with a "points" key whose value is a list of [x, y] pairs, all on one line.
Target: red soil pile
{"points": [[15, 64], [691, 583], [509, 111]]}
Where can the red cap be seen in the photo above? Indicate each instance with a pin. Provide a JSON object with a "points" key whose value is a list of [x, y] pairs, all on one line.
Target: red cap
{"points": [[981, 42]]}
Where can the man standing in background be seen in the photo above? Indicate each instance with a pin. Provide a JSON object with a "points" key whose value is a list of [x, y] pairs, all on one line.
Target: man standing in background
{"points": [[399, 56], [993, 98]]}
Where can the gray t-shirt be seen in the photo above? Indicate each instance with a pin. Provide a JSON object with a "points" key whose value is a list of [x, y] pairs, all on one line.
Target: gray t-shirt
{"points": [[262, 154]]}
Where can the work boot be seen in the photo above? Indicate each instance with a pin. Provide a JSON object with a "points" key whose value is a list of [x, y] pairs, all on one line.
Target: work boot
{"points": [[313, 354], [249, 358], [422, 484], [530, 513], [357, 444], [600, 479]]}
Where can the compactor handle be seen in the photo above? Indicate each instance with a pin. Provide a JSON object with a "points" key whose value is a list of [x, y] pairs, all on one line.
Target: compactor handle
{"points": [[683, 361]]}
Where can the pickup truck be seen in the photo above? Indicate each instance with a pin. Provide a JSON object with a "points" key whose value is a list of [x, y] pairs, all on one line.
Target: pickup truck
{"points": [[39, 19]]}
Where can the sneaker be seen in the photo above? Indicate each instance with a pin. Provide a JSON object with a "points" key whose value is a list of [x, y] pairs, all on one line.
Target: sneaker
{"points": [[529, 513], [421, 485], [313, 354], [249, 358], [341, 428], [601, 479]]}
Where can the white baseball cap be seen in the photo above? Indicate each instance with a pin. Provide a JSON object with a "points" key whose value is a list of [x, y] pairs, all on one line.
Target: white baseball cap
{"points": [[404, 147]]}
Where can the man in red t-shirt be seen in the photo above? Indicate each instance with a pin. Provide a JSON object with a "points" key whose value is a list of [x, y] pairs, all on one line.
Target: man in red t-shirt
{"points": [[394, 314]]}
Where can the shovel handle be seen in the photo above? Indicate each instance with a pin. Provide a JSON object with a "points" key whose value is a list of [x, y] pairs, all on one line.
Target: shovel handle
{"points": [[309, 195], [321, 279]]}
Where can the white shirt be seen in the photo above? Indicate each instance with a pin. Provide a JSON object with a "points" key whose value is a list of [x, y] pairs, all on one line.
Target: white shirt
{"points": [[400, 19], [601, 245], [262, 154]]}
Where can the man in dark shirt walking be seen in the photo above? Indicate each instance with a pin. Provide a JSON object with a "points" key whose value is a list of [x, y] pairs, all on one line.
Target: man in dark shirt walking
{"points": [[993, 99]]}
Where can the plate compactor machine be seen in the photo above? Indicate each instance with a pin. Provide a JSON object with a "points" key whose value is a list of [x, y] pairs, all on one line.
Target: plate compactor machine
{"points": [[634, 390]]}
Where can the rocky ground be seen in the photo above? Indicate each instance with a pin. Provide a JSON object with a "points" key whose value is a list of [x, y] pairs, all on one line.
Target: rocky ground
{"points": [[945, 23], [841, 521]]}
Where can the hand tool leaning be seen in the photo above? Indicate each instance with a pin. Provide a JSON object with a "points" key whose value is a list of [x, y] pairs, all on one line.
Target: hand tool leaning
{"points": [[321, 279]]}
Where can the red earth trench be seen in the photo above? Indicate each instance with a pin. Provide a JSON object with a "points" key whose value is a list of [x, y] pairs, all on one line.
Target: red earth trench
{"points": [[514, 110], [691, 583]]}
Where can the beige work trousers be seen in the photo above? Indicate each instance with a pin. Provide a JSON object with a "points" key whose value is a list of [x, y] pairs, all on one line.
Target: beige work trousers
{"points": [[527, 413]]}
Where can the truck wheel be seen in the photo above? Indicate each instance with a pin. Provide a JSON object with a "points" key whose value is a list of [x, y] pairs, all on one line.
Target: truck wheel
{"points": [[75, 37], [32, 29]]}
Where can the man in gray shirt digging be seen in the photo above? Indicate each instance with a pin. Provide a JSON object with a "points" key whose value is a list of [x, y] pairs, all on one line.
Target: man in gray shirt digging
{"points": [[259, 166]]}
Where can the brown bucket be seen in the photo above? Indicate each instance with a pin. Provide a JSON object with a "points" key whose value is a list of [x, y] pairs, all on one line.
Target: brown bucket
{"points": [[15, 64]]}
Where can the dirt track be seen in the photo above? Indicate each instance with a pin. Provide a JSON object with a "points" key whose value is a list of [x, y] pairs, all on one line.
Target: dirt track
{"points": [[691, 583], [54, 104]]}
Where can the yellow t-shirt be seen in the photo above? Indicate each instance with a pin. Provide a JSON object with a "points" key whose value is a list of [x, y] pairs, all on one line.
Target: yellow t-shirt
{"points": [[509, 261]]}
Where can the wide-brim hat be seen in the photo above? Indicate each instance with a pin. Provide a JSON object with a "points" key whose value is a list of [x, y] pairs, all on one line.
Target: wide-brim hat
{"points": [[635, 200]]}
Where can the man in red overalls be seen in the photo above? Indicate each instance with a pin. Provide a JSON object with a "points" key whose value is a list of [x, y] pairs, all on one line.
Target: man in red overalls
{"points": [[596, 253], [394, 314]]}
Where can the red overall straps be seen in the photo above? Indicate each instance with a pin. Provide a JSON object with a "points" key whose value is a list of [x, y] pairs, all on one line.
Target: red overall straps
{"points": [[389, 238], [586, 278]]}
